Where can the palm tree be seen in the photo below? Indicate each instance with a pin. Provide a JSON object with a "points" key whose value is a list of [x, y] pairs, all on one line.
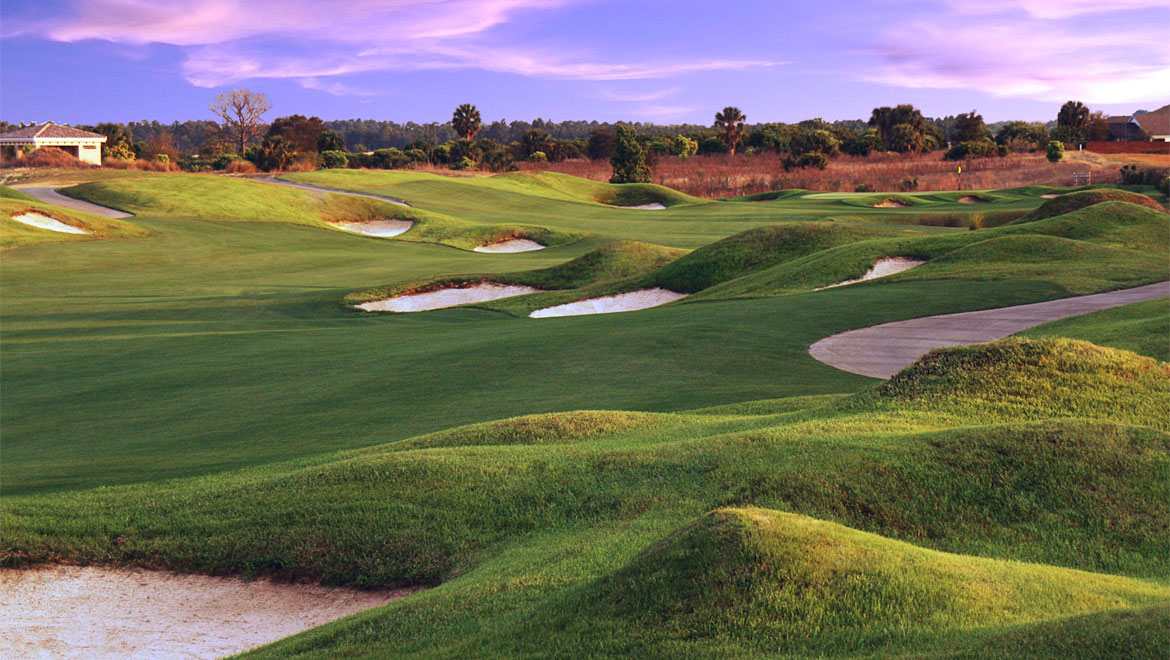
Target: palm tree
{"points": [[731, 121], [466, 121]]}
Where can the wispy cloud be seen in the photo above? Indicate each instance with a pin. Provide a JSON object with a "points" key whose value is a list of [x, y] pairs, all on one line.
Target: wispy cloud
{"points": [[1007, 57], [1052, 9], [227, 41]]}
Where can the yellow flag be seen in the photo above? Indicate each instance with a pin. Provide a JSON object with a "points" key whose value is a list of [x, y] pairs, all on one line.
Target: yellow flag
{"points": [[960, 169]]}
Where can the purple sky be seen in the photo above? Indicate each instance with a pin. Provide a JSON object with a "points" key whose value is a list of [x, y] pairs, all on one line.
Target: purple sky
{"points": [[85, 61]]}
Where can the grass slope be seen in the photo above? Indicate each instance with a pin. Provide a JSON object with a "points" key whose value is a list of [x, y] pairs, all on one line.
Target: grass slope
{"points": [[17, 234], [1073, 201], [1141, 327]]}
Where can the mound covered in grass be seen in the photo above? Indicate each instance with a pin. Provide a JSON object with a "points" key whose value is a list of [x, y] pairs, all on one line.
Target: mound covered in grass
{"points": [[1070, 202], [46, 223], [781, 582], [885, 201], [235, 200], [1140, 327]]}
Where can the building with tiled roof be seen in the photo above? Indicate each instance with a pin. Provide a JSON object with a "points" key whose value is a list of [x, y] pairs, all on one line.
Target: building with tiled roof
{"points": [[83, 145], [1156, 123]]}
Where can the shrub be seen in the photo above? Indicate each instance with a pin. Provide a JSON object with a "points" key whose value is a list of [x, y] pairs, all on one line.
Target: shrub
{"points": [[904, 138], [863, 143], [415, 155], [971, 149], [909, 183], [333, 159], [240, 167], [464, 163], [629, 158], [1054, 151], [811, 159], [538, 157], [863, 187], [816, 141], [388, 159], [684, 147], [1131, 175], [330, 141], [711, 145]]}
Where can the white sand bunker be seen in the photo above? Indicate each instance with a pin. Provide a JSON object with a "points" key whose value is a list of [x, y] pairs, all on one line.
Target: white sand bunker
{"points": [[45, 222], [382, 228], [449, 297], [1050, 195], [890, 204], [511, 245], [881, 268], [96, 613], [655, 206], [622, 302], [971, 199]]}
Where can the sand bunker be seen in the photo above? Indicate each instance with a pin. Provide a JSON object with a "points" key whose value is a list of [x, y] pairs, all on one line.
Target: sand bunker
{"points": [[1050, 196], [95, 613], [890, 204], [382, 228], [881, 268], [45, 222], [511, 245], [438, 299], [655, 206], [622, 302], [971, 199]]}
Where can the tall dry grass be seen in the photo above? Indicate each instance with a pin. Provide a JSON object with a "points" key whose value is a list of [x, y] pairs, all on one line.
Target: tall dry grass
{"points": [[730, 176]]}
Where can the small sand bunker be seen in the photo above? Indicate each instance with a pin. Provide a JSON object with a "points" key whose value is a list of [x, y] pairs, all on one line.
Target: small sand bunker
{"points": [[449, 297], [881, 268], [971, 199], [655, 206], [1050, 195], [45, 222], [97, 613], [381, 228], [890, 204], [622, 302], [511, 245]]}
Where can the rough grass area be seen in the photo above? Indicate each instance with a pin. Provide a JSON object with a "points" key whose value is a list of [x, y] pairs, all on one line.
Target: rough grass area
{"points": [[563, 527], [1141, 327], [1073, 201]]}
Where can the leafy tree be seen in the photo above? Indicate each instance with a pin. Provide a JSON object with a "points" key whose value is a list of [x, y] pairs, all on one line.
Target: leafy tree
{"points": [[814, 141], [466, 121], [1097, 129], [1072, 123], [862, 144], [684, 147], [712, 144], [1054, 151], [629, 158], [808, 159], [241, 111], [1022, 134], [303, 132], [601, 144], [969, 127], [275, 153], [495, 156], [333, 159], [330, 141], [731, 121], [972, 149], [904, 138], [535, 140]]}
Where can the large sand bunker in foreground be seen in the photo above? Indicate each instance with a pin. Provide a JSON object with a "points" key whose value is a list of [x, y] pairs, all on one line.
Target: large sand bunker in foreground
{"points": [[881, 268], [622, 302], [511, 245], [449, 297], [96, 613], [380, 228], [45, 222]]}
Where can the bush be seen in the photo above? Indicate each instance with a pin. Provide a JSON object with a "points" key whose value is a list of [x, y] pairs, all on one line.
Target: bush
{"points": [[817, 141], [909, 183], [712, 145], [334, 159], [904, 138], [1054, 151], [538, 157], [464, 163], [863, 187], [629, 158], [684, 147], [972, 149], [389, 159], [1131, 175], [863, 143], [240, 167], [812, 159], [415, 155]]}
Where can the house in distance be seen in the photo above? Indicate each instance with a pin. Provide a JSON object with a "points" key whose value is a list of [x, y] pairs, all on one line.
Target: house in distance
{"points": [[82, 145]]}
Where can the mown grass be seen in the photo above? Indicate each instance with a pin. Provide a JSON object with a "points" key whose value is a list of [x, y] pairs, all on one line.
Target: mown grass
{"points": [[200, 400], [15, 234]]}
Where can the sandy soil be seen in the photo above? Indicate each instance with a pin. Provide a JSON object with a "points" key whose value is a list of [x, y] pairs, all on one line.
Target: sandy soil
{"points": [[45, 222], [511, 245], [622, 302], [94, 613], [890, 204], [421, 302], [881, 268], [646, 207], [382, 228], [968, 199]]}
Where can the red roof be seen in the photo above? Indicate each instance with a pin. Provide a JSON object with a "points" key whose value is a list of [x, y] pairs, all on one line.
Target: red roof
{"points": [[50, 130], [1156, 122]]}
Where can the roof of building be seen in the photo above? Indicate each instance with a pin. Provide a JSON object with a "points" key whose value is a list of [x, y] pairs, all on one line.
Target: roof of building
{"points": [[1156, 122], [49, 130]]}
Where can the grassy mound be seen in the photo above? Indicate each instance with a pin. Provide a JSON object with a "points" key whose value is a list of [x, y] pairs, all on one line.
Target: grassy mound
{"points": [[876, 201], [1140, 327], [1116, 224], [242, 200], [1069, 202], [17, 234], [753, 250], [780, 582], [771, 196], [13, 193], [548, 429]]}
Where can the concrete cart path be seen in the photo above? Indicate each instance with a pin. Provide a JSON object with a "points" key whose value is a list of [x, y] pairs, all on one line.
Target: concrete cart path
{"points": [[339, 191], [883, 350], [51, 196]]}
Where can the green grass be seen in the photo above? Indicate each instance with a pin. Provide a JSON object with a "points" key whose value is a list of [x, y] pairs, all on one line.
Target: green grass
{"points": [[203, 398], [15, 234], [1141, 327], [1080, 199]]}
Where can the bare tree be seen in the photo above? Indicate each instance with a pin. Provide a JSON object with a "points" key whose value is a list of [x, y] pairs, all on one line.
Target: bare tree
{"points": [[241, 110]]}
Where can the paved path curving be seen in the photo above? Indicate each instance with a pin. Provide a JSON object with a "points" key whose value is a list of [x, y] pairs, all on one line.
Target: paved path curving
{"points": [[51, 196], [339, 191], [883, 350]]}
